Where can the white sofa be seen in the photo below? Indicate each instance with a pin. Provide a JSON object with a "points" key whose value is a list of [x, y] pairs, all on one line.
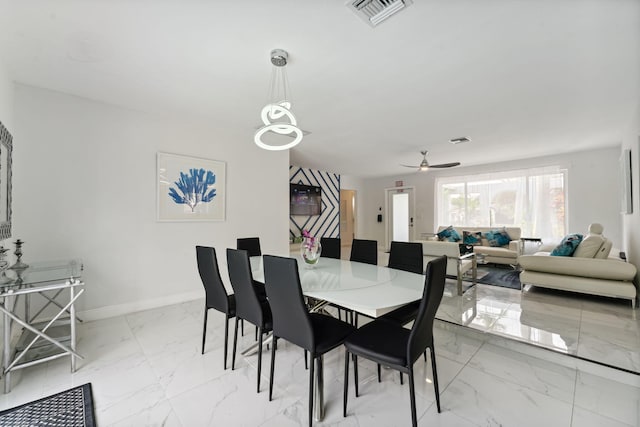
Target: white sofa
{"points": [[500, 255], [603, 274], [457, 265]]}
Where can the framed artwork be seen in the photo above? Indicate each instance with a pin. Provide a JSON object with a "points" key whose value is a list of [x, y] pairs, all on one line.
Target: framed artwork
{"points": [[6, 153], [190, 188]]}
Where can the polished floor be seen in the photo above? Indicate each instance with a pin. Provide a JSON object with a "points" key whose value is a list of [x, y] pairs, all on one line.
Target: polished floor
{"points": [[146, 370]]}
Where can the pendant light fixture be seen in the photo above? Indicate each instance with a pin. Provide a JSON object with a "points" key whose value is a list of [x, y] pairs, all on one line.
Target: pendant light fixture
{"points": [[276, 116]]}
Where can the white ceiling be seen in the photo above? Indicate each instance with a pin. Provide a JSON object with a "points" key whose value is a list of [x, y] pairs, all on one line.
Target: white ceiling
{"points": [[521, 78]]}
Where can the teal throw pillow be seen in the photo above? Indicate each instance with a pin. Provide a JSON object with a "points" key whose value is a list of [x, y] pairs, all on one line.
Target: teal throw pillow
{"points": [[449, 234], [497, 238], [568, 245], [473, 238]]}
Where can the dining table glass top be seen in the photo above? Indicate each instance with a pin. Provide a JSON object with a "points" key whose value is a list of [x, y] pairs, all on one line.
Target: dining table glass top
{"points": [[369, 289]]}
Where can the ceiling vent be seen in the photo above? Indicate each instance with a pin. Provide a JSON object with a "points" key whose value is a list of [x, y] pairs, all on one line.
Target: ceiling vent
{"points": [[460, 140], [375, 11]]}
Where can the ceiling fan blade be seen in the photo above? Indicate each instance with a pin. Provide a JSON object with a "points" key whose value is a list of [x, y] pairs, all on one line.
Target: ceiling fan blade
{"points": [[408, 166], [445, 165]]}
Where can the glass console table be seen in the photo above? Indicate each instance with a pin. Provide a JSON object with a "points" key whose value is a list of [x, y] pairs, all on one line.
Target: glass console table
{"points": [[50, 332]]}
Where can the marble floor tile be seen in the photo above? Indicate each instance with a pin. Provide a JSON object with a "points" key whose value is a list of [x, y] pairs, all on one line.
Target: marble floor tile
{"points": [[584, 418], [489, 400], [609, 398], [549, 379]]}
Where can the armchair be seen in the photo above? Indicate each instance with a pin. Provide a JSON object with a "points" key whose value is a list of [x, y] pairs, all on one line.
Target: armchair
{"points": [[457, 265]]}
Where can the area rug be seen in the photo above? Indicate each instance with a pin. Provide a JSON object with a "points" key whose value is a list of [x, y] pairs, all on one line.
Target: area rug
{"points": [[70, 408], [505, 277]]}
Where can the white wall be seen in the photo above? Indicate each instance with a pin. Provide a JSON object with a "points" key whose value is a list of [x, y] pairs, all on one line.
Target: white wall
{"points": [[6, 99], [85, 186], [593, 188]]}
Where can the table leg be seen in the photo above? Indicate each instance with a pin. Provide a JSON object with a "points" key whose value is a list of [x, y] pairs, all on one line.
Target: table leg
{"points": [[318, 395], [253, 348], [72, 325], [7, 351]]}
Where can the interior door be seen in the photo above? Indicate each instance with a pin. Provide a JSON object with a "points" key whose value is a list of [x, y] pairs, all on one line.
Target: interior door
{"points": [[400, 208]]}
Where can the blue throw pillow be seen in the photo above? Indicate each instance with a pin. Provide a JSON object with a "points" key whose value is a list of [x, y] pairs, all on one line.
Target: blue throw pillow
{"points": [[568, 245], [471, 238], [497, 238], [449, 234]]}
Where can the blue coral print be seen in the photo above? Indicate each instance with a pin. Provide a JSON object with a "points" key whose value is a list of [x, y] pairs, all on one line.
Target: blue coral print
{"points": [[195, 188]]}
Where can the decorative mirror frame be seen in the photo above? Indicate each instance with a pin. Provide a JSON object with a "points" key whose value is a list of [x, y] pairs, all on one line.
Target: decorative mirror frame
{"points": [[6, 155]]}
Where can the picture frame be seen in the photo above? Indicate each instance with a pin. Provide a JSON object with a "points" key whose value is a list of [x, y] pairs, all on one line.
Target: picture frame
{"points": [[6, 160], [190, 188]]}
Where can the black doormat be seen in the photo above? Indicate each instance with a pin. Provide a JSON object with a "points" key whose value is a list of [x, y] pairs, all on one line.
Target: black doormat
{"points": [[505, 277], [70, 408]]}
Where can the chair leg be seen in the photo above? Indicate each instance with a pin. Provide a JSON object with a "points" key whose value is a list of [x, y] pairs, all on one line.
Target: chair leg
{"points": [[412, 394], [226, 344], [355, 372], [259, 360], [425, 355], [435, 376], [273, 362], [401, 380], [379, 374], [311, 369], [242, 327], [346, 382], [235, 342], [256, 335], [204, 328], [306, 365]]}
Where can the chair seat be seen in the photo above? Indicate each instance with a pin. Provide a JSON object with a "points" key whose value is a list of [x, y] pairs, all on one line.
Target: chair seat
{"points": [[328, 332], [404, 314], [382, 341]]}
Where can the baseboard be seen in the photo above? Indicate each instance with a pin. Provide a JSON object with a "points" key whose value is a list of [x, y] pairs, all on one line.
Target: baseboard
{"points": [[132, 307]]}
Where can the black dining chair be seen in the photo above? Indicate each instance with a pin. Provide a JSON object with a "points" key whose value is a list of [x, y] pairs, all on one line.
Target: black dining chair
{"points": [[365, 251], [216, 294], [390, 344], [314, 332], [249, 244], [405, 256], [251, 305], [330, 247]]}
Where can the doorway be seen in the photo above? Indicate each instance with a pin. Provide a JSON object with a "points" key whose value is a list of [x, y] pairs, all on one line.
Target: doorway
{"points": [[347, 216], [400, 213]]}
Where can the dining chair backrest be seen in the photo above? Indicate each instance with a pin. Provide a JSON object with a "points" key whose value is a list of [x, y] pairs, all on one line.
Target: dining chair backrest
{"points": [[421, 335], [216, 294], [290, 316], [248, 306], [330, 247], [365, 251], [406, 256], [249, 244]]}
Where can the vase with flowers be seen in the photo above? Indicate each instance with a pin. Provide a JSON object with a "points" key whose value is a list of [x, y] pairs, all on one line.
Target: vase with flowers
{"points": [[310, 249]]}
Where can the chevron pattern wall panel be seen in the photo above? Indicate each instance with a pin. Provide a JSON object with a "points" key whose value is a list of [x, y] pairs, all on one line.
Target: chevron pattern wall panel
{"points": [[327, 224]]}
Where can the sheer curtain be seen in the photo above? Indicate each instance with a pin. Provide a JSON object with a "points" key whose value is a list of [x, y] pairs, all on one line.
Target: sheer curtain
{"points": [[532, 199]]}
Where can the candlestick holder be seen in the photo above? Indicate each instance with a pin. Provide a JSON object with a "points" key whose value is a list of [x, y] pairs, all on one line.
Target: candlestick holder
{"points": [[19, 267]]}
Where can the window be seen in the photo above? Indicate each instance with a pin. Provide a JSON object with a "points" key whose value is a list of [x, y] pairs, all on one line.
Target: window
{"points": [[532, 199]]}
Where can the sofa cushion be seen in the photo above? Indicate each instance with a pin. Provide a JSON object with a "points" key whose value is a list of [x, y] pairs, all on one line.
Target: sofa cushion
{"points": [[568, 245], [498, 252], [449, 234], [498, 238], [471, 237], [605, 249], [609, 269], [589, 246]]}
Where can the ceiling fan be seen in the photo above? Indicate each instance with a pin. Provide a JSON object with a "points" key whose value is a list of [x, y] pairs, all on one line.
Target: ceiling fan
{"points": [[424, 165]]}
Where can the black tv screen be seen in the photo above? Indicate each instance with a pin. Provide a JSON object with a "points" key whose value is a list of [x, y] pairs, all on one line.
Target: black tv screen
{"points": [[305, 199]]}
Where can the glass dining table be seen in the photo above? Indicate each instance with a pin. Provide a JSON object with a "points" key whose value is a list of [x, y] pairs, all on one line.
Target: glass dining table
{"points": [[371, 290]]}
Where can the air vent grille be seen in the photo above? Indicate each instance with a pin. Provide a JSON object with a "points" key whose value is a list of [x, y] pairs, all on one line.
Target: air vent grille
{"points": [[376, 11]]}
